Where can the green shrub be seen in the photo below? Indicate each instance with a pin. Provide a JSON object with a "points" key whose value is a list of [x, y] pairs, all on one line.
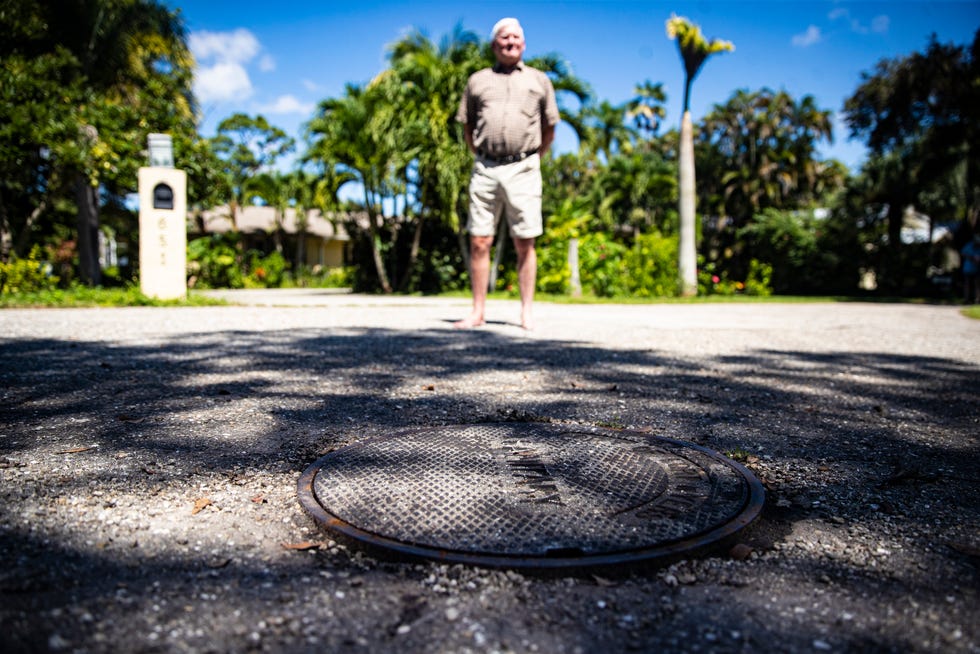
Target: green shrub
{"points": [[342, 277], [603, 267], [651, 266], [268, 271], [788, 241], [554, 275], [565, 223], [213, 262], [713, 280], [608, 268], [319, 277], [759, 280], [28, 275]]}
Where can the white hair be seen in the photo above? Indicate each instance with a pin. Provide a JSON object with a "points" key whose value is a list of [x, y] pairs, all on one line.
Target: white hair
{"points": [[506, 22]]}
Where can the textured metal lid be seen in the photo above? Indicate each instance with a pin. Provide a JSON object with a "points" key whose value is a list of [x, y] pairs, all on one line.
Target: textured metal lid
{"points": [[529, 495]]}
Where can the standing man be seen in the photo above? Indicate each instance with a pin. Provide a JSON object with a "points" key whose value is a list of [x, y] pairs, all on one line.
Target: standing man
{"points": [[509, 115]]}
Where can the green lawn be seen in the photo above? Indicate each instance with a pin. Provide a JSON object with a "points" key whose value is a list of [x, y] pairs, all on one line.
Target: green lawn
{"points": [[80, 296], [972, 312]]}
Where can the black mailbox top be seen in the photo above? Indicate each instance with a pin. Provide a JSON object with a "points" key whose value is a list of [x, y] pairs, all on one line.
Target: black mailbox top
{"points": [[163, 197]]}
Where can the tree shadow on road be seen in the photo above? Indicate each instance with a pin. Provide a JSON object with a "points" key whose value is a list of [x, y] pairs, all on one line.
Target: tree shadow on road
{"points": [[862, 441]]}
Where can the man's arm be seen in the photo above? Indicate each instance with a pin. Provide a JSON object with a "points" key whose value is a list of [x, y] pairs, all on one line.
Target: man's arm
{"points": [[550, 115], [547, 136], [468, 135]]}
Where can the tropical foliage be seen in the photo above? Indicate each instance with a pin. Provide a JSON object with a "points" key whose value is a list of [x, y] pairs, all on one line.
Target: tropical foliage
{"points": [[920, 116], [83, 82], [248, 149]]}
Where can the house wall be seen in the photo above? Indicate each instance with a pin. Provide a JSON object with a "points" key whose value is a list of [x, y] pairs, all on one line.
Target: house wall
{"points": [[328, 254]]}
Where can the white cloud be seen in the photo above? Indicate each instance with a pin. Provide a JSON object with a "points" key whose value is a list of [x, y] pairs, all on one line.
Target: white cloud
{"points": [[807, 38], [880, 24], [221, 82], [310, 85], [267, 64], [239, 46], [288, 104], [221, 57]]}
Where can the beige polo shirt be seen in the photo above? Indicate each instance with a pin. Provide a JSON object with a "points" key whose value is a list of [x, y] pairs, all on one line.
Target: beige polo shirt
{"points": [[505, 110]]}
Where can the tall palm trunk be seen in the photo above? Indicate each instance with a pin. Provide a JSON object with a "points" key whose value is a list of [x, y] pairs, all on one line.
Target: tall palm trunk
{"points": [[413, 255], [88, 231], [694, 50], [687, 260], [379, 264]]}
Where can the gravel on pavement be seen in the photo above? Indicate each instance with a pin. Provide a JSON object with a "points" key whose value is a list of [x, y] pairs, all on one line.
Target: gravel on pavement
{"points": [[149, 459]]}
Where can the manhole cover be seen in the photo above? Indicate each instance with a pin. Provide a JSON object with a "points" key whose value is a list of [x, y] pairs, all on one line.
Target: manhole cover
{"points": [[530, 495]]}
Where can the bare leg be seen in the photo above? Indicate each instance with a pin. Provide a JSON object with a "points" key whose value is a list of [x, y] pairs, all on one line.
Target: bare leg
{"points": [[479, 278], [527, 274]]}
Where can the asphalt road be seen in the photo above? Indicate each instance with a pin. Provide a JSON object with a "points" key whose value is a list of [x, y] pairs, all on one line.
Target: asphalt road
{"points": [[149, 460]]}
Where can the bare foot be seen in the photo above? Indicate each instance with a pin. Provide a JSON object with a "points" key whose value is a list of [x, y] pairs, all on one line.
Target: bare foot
{"points": [[527, 322], [469, 322]]}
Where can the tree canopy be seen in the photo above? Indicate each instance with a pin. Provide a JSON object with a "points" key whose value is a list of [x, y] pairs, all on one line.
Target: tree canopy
{"points": [[82, 83], [920, 116]]}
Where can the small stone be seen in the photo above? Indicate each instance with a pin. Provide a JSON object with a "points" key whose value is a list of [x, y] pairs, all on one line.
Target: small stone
{"points": [[452, 614], [740, 551], [56, 642]]}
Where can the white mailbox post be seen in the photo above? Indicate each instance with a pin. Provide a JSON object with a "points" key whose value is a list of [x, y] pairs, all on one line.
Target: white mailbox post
{"points": [[163, 224]]}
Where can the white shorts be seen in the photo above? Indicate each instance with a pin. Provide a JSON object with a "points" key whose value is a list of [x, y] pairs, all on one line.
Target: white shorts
{"points": [[513, 189]]}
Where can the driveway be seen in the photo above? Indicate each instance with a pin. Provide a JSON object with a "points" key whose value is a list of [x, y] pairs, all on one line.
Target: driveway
{"points": [[149, 460]]}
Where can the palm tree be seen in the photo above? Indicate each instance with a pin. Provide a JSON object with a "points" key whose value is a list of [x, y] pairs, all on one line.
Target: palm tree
{"points": [[342, 138], [433, 79], [765, 152], [647, 107], [374, 135], [274, 188], [609, 133], [567, 86], [632, 193], [694, 50], [810, 125]]}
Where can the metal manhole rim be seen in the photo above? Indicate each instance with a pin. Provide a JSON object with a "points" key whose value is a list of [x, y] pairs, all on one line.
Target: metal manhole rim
{"points": [[692, 543]]}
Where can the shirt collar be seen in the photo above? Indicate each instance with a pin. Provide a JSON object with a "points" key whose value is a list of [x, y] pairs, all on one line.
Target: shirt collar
{"points": [[497, 68]]}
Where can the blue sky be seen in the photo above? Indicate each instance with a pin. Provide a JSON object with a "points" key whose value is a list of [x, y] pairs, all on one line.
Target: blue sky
{"points": [[279, 59]]}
